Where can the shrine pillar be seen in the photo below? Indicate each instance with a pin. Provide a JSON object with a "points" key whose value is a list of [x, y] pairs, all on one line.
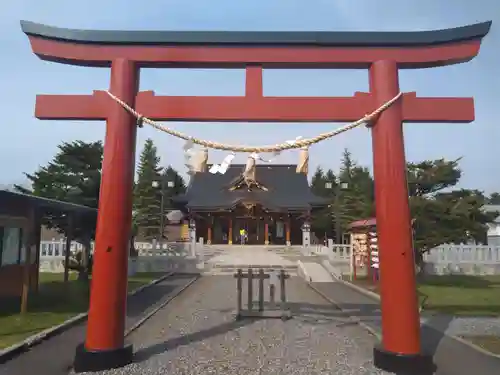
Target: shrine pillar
{"points": [[266, 231], [209, 230], [104, 346], [400, 314], [287, 231]]}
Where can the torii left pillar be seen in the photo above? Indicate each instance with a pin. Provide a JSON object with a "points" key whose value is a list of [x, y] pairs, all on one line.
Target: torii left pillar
{"points": [[104, 346]]}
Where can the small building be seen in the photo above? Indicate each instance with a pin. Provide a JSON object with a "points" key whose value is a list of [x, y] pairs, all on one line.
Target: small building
{"points": [[273, 208], [20, 229], [493, 235]]}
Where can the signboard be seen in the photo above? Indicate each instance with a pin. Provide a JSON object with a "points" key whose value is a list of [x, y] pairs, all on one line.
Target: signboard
{"points": [[360, 249], [374, 250]]}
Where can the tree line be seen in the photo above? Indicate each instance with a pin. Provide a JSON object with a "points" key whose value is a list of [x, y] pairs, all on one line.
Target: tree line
{"points": [[74, 175], [440, 214]]}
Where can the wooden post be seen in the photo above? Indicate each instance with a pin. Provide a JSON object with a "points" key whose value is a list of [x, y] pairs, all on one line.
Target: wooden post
{"points": [[239, 287], [37, 239], [230, 232], [272, 294], [283, 277], [250, 289], [28, 243], [69, 239], [261, 290]]}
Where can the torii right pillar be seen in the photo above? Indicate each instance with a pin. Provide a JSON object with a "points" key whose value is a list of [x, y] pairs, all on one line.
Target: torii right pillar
{"points": [[400, 349]]}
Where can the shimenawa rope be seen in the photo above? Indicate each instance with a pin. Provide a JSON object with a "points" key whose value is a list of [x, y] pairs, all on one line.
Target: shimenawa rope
{"points": [[260, 149]]}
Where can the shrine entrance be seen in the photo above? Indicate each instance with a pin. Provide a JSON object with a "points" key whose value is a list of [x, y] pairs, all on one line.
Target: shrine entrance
{"points": [[123, 107], [254, 229]]}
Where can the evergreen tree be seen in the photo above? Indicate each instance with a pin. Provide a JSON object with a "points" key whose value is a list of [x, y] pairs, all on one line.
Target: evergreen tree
{"points": [[147, 191], [494, 198], [171, 176], [439, 216], [74, 175], [356, 198]]}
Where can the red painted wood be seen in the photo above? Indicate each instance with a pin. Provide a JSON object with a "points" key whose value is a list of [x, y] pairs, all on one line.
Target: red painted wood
{"points": [[400, 315], [254, 85], [253, 108], [346, 57], [106, 321]]}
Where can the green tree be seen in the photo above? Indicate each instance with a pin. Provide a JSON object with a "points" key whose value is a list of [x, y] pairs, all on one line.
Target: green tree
{"points": [[494, 198], [321, 223], [441, 215], [356, 199], [146, 195], [74, 175], [172, 177]]}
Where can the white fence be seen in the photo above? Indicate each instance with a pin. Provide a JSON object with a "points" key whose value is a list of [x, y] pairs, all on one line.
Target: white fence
{"points": [[179, 257], [445, 259], [442, 260]]}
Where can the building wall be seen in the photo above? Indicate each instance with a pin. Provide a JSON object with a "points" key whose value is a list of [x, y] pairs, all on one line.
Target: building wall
{"points": [[11, 279], [13, 255]]}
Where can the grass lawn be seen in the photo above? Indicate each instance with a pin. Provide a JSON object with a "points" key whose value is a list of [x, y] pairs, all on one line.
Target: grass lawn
{"points": [[487, 342], [53, 305], [456, 294]]}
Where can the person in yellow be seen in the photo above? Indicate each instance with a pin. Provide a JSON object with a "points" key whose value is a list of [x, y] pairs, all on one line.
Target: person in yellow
{"points": [[243, 235]]}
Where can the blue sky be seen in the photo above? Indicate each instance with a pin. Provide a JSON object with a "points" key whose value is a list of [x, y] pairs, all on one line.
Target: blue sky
{"points": [[28, 143]]}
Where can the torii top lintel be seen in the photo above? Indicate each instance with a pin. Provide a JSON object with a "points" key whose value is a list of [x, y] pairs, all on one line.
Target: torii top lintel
{"points": [[419, 49]]}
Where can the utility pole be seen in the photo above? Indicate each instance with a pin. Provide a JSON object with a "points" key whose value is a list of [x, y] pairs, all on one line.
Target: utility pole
{"points": [[336, 206], [163, 184]]}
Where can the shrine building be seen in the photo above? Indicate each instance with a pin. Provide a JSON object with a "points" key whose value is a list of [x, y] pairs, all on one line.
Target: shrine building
{"points": [[274, 207]]}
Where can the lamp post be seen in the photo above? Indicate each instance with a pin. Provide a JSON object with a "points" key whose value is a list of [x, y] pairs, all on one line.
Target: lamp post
{"points": [[336, 212], [161, 185]]}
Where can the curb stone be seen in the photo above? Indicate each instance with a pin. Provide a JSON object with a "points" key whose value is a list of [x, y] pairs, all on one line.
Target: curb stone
{"points": [[356, 320], [377, 297], [150, 314], [11, 351]]}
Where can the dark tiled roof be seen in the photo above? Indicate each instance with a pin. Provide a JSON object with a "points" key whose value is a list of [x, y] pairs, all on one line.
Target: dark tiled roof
{"points": [[15, 198], [286, 189]]}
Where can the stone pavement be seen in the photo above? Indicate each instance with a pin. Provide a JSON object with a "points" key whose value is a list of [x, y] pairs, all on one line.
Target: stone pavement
{"points": [[55, 355], [197, 334], [450, 356]]}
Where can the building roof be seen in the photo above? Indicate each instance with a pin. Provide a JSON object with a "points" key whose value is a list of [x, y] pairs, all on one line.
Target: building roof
{"points": [[261, 38], [15, 199], [493, 208], [364, 223], [282, 189]]}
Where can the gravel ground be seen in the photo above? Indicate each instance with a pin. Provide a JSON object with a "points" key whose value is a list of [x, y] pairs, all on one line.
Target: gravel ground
{"points": [[197, 334]]}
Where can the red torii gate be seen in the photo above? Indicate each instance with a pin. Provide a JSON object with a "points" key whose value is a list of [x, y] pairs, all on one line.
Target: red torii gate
{"points": [[383, 53]]}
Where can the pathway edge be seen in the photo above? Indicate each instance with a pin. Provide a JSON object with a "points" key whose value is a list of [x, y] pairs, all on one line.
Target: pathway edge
{"points": [[377, 297], [26, 344]]}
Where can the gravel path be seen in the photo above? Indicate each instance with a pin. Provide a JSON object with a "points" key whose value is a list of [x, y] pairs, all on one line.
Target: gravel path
{"points": [[197, 334]]}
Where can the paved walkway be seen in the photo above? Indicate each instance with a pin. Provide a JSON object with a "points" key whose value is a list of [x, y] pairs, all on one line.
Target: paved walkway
{"points": [[197, 334], [55, 355], [450, 356]]}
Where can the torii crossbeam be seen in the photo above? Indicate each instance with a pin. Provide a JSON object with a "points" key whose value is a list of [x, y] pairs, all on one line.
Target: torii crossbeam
{"points": [[382, 53]]}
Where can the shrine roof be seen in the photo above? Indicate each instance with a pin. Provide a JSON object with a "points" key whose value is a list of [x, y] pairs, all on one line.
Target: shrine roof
{"points": [[283, 189], [261, 38], [14, 203]]}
